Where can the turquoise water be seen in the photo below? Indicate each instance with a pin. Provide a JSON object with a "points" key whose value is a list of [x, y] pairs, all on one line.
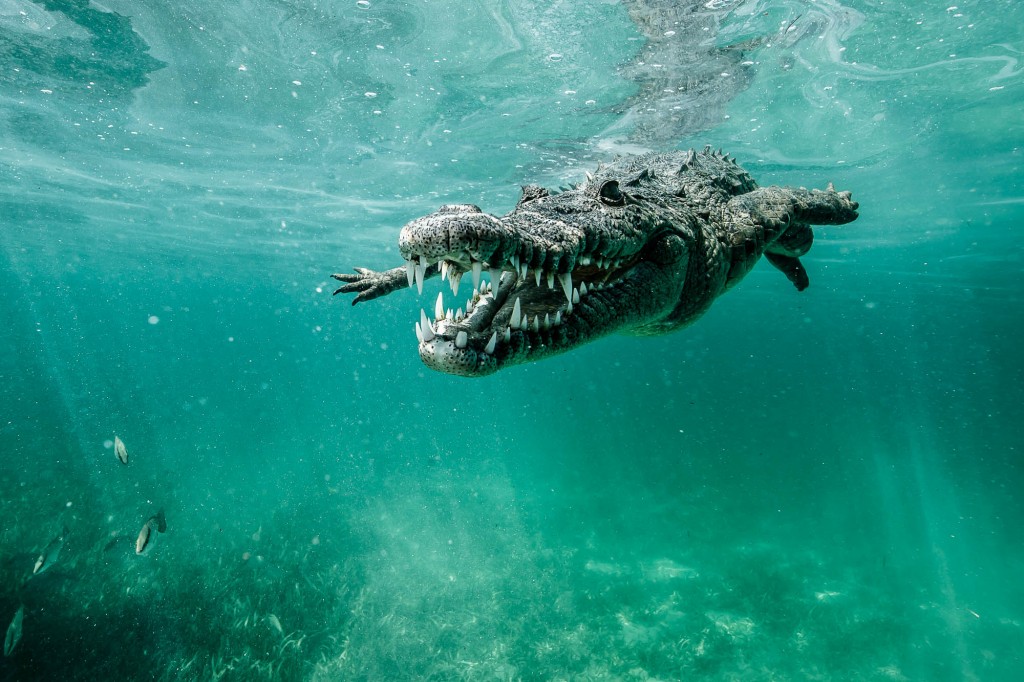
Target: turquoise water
{"points": [[821, 485]]}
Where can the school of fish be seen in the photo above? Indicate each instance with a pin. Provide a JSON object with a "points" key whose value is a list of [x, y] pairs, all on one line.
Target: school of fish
{"points": [[48, 557]]}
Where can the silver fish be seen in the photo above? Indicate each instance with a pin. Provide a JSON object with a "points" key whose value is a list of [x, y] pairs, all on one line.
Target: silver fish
{"points": [[50, 553], [14, 632], [120, 450], [156, 522]]}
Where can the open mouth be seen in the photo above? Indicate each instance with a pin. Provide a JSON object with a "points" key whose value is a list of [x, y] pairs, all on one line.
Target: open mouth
{"points": [[515, 306]]}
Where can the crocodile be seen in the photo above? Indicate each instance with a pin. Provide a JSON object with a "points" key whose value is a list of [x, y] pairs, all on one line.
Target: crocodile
{"points": [[643, 246]]}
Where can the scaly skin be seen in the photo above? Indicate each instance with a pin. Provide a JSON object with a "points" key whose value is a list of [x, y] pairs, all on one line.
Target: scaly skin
{"points": [[644, 246]]}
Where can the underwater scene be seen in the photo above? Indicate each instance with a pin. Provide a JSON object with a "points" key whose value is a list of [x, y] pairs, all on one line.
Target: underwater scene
{"points": [[213, 467]]}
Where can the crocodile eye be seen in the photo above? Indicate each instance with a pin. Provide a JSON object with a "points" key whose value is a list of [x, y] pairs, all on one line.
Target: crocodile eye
{"points": [[611, 195]]}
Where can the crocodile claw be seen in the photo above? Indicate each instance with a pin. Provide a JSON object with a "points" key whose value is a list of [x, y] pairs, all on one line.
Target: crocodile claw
{"points": [[365, 283]]}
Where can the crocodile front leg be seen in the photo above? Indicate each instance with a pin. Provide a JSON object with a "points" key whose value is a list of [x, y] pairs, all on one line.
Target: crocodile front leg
{"points": [[370, 284]]}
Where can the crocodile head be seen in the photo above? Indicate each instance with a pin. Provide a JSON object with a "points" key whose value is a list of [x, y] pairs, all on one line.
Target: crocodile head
{"points": [[558, 271]]}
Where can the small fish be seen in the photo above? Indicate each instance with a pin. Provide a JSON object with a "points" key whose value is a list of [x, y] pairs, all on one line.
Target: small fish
{"points": [[145, 540], [14, 632], [275, 623], [49, 556], [120, 450]]}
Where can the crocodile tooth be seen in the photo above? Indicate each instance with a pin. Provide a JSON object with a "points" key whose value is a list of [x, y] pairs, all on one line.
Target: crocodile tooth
{"points": [[547, 320], [469, 306], [489, 348], [439, 306], [421, 274], [425, 326], [575, 296], [536, 275], [551, 279], [419, 333], [458, 314], [566, 280], [461, 339], [410, 271], [516, 314], [507, 335], [448, 315], [495, 274], [585, 260], [514, 263], [558, 318], [444, 269], [535, 325], [568, 308], [455, 277], [478, 267], [583, 288]]}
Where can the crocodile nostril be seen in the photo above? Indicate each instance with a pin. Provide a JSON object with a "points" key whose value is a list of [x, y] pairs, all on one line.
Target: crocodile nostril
{"points": [[459, 208]]}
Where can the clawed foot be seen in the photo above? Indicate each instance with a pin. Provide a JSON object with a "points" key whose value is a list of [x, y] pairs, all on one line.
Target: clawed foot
{"points": [[369, 284]]}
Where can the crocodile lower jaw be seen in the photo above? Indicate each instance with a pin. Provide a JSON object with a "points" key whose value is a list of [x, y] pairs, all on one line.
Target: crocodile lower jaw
{"points": [[527, 313]]}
